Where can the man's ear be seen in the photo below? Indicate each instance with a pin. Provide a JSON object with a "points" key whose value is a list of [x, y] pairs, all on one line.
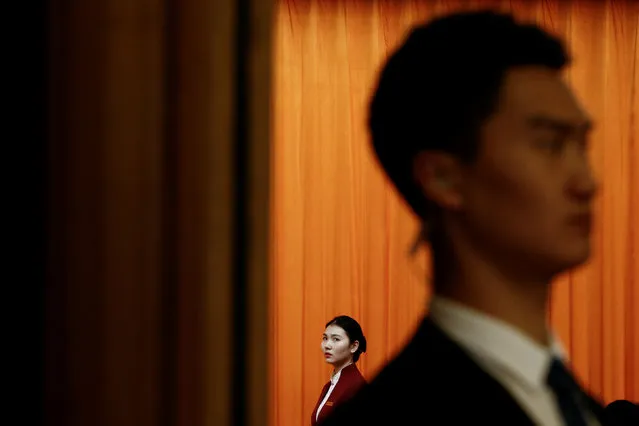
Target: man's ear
{"points": [[440, 176]]}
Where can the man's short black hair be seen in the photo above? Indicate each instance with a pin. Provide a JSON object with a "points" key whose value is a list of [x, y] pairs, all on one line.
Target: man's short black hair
{"points": [[440, 86]]}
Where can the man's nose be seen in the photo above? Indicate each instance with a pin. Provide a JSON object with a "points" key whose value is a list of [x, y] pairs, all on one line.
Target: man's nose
{"points": [[583, 185]]}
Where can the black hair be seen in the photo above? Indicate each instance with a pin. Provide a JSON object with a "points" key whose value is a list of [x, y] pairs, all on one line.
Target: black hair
{"points": [[438, 88], [353, 331]]}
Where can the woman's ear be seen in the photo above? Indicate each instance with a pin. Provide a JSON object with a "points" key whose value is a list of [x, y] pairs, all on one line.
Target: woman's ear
{"points": [[354, 346], [440, 176]]}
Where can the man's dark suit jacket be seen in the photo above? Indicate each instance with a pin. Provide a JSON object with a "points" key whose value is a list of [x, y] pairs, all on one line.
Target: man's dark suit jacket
{"points": [[350, 381], [433, 381]]}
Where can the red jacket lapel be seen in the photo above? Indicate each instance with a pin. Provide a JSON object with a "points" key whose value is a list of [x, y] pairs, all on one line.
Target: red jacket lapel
{"points": [[350, 381]]}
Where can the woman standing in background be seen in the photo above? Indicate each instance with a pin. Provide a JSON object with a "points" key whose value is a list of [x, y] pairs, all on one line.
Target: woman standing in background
{"points": [[342, 343]]}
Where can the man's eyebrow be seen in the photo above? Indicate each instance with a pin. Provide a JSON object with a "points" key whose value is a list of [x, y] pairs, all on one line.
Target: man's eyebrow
{"points": [[558, 124]]}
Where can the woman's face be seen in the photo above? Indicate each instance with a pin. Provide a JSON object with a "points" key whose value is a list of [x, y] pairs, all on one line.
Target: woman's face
{"points": [[336, 346]]}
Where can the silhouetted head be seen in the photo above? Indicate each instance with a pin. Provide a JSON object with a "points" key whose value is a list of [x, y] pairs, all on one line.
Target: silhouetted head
{"points": [[473, 123]]}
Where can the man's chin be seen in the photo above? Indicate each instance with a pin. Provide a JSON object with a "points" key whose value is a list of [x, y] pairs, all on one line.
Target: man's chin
{"points": [[574, 257]]}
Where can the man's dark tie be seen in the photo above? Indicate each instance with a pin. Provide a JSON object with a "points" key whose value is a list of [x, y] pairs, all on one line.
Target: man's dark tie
{"points": [[567, 392]]}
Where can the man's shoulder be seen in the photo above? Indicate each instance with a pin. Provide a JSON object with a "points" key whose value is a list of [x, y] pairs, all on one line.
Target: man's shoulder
{"points": [[416, 375], [432, 377]]}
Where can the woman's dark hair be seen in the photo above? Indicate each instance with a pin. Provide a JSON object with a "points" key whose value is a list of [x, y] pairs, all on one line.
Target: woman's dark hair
{"points": [[353, 332]]}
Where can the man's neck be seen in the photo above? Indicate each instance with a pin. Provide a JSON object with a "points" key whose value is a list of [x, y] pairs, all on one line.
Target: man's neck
{"points": [[522, 304]]}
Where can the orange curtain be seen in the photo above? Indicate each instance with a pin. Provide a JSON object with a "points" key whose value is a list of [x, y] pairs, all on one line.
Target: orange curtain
{"points": [[341, 235]]}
